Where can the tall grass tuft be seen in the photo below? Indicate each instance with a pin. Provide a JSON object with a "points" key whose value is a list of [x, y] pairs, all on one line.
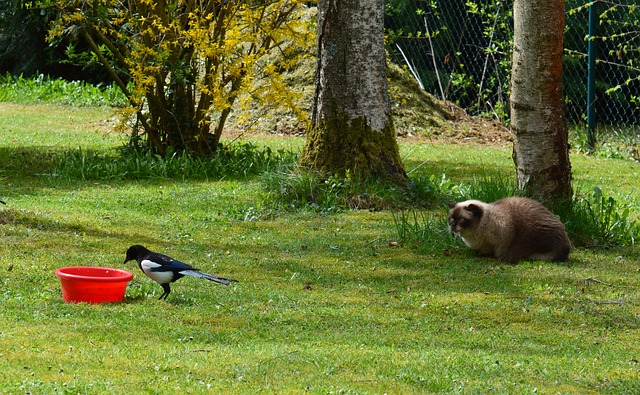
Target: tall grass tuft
{"points": [[234, 161], [427, 231], [290, 188], [489, 188], [597, 221]]}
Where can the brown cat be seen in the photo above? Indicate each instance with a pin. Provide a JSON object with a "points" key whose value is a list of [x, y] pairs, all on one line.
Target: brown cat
{"points": [[510, 229]]}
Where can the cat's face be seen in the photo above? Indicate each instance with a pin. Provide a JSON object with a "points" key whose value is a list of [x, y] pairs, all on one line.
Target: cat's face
{"points": [[463, 216]]}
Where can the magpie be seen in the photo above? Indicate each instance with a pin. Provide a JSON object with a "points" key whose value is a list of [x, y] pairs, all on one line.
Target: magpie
{"points": [[164, 270]]}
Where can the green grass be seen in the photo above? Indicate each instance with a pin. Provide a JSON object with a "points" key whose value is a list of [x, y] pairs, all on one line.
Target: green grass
{"points": [[612, 141], [326, 303], [43, 89]]}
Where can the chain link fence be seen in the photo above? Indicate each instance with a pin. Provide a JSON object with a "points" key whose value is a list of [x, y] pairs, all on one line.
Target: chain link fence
{"points": [[460, 50]]}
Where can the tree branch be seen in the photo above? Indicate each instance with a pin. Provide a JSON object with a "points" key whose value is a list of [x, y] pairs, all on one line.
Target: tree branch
{"points": [[114, 75]]}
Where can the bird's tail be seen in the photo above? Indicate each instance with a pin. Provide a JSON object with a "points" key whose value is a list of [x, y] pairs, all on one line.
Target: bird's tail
{"points": [[210, 277]]}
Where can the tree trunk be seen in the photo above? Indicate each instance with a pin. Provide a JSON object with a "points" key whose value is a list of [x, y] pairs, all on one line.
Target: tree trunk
{"points": [[351, 126], [538, 119]]}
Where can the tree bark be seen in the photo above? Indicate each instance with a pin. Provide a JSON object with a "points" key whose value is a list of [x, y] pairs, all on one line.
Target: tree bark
{"points": [[351, 126], [538, 118]]}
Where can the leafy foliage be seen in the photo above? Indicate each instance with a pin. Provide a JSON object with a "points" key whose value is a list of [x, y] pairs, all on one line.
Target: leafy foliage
{"points": [[21, 41], [183, 64], [461, 51], [469, 43], [614, 143], [43, 89], [609, 222]]}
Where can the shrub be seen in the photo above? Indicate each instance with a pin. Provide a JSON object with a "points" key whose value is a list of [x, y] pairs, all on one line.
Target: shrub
{"points": [[189, 61]]}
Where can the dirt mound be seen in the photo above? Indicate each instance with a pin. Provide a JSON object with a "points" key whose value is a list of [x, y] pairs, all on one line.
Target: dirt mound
{"points": [[417, 114]]}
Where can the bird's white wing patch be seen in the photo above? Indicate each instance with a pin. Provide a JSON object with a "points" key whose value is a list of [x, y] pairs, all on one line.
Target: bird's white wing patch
{"points": [[159, 277]]}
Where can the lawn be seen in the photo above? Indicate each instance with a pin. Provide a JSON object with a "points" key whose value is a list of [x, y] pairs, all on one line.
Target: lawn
{"points": [[325, 304]]}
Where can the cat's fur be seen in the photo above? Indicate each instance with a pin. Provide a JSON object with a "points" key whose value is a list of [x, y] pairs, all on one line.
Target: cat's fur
{"points": [[510, 229]]}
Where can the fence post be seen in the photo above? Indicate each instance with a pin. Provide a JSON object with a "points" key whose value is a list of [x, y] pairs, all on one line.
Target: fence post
{"points": [[591, 75]]}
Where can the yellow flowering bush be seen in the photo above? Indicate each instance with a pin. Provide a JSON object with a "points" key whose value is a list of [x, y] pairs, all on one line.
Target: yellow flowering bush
{"points": [[182, 64]]}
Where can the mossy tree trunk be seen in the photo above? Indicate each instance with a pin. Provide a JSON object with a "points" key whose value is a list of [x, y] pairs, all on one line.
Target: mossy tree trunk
{"points": [[351, 127], [538, 117]]}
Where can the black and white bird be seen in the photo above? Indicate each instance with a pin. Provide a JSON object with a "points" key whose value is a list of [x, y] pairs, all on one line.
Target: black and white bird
{"points": [[165, 270]]}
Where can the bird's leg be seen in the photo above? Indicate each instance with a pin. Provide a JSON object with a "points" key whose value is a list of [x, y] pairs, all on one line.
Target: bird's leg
{"points": [[167, 289]]}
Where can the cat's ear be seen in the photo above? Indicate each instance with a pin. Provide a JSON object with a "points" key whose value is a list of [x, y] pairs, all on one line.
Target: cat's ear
{"points": [[451, 205], [475, 209]]}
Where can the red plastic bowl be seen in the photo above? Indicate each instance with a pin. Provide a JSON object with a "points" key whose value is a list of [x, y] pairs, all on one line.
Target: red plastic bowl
{"points": [[93, 284]]}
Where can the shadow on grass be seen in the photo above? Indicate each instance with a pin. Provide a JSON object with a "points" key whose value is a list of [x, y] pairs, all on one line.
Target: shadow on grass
{"points": [[20, 162], [237, 161], [32, 220]]}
